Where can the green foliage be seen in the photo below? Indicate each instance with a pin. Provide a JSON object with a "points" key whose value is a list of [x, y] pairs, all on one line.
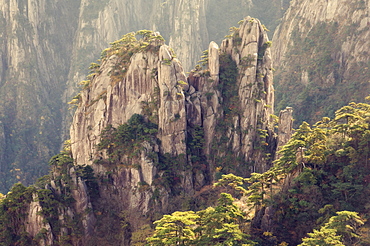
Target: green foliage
{"points": [[124, 49], [126, 139], [347, 224], [77, 98], [139, 237], [320, 165], [203, 63], [49, 211], [13, 211], [220, 225], [170, 166], [129, 45], [167, 62], [324, 237], [195, 144], [86, 173], [228, 86], [233, 184], [61, 164], [14, 207], [61, 160], [246, 61], [262, 50], [150, 108], [340, 230], [234, 35], [174, 229]]}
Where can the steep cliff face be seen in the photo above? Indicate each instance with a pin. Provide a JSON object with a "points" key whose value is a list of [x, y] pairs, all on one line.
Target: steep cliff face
{"points": [[102, 22], [236, 100], [149, 89], [184, 26], [182, 23], [150, 78], [241, 92], [137, 77], [187, 25], [321, 56], [40, 47], [285, 129], [36, 43], [145, 139]]}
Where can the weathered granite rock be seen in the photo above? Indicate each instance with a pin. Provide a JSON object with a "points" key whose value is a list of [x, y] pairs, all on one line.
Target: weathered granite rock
{"points": [[320, 56], [206, 99], [285, 129], [104, 103], [82, 206], [172, 116], [35, 223], [46, 44], [152, 78], [179, 106], [249, 49], [134, 187]]}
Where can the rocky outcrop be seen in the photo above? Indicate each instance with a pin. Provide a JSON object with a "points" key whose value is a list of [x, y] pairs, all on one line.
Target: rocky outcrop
{"points": [[171, 112], [207, 102], [319, 11], [153, 84], [320, 55], [239, 107], [35, 223], [107, 21], [43, 47], [148, 76], [102, 23], [231, 113], [186, 25], [187, 28], [255, 85], [145, 138], [285, 129]]}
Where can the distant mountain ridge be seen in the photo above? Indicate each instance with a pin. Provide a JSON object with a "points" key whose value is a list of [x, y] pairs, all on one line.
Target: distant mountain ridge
{"points": [[321, 56]]}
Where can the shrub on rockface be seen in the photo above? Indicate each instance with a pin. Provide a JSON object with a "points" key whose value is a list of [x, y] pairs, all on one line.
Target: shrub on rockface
{"points": [[323, 164], [13, 211], [126, 139], [219, 225]]}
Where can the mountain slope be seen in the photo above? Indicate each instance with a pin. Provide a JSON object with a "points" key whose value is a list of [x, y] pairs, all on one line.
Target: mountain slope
{"points": [[42, 47], [323, 169], [320, 180], [146, 140], [36, 44], [321, 57]]}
